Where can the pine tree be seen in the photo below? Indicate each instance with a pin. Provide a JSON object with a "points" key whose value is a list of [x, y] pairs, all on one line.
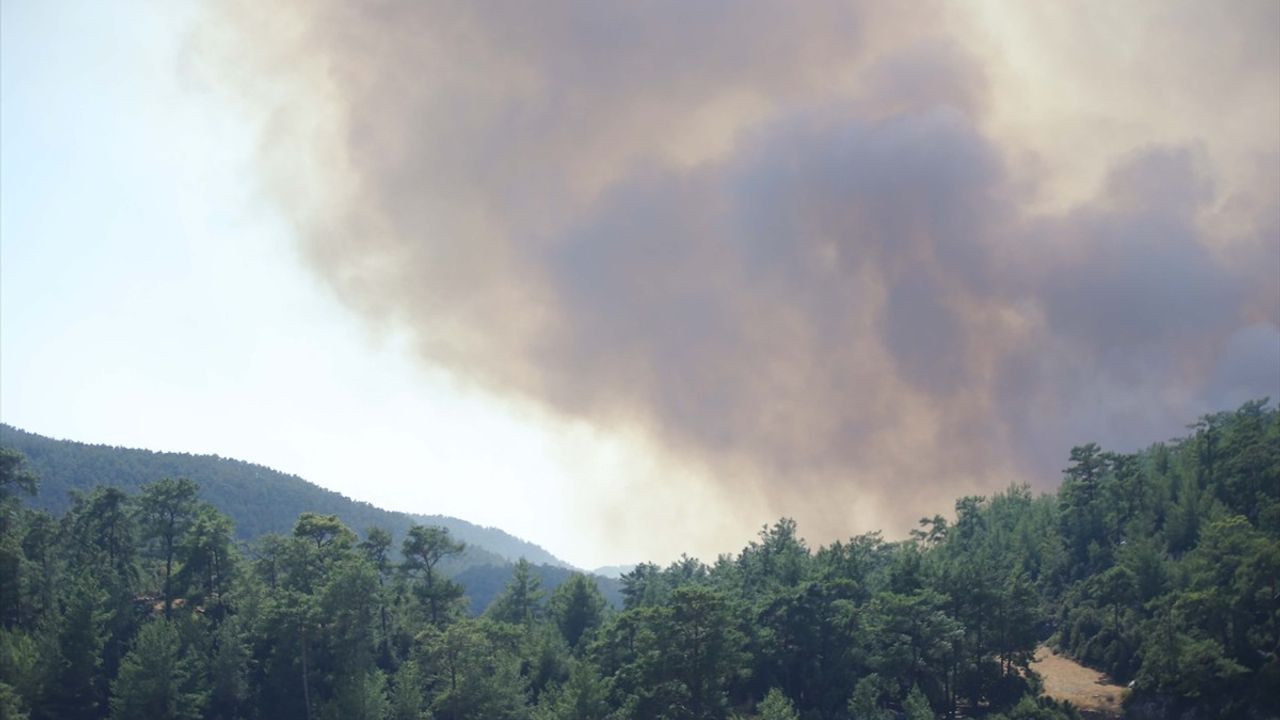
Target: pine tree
{"points": [[577, 608], [74, 688], [520, 601], [158, 678], [424, 548], [776, 706], [916, 706], [167, 508]]}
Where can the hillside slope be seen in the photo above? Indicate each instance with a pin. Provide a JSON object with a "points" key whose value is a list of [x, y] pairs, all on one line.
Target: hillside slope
{"points": [[258, 499]]}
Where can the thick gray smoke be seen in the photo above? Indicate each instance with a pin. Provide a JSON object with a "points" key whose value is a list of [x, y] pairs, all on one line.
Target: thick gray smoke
{"points": [[785, 241]]}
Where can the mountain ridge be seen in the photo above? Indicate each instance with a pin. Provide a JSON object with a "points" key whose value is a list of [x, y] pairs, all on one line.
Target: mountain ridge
{"points": [[259, 499], [614, 571]]}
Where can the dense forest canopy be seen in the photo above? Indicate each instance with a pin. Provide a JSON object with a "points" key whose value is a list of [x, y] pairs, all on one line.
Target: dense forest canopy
{"points": [[1161, 568], [258, 499]]}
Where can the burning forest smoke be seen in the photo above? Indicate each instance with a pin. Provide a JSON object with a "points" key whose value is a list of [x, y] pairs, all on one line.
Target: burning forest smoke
{"points": [[853, 259]]}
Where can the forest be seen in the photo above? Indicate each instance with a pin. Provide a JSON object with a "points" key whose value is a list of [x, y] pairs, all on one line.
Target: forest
{"points": [[1160, 568], [258, 499]]}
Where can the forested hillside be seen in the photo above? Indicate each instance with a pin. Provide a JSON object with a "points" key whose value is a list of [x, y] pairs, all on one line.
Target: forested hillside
{"points": [[1160, 567], [258, 500]]}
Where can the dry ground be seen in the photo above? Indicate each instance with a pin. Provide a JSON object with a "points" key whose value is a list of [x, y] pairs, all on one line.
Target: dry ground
{"points": [[1089, 690]]}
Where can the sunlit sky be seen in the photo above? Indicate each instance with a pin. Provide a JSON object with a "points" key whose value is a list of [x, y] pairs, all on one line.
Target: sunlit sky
{"points": [[150, 299], [173, 277]]}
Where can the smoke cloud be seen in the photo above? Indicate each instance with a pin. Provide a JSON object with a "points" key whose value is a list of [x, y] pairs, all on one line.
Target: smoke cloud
{"points": [[850, 266]]}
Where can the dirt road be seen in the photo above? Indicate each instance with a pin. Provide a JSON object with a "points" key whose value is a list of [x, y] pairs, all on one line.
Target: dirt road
{"points": [[1089, 690]]}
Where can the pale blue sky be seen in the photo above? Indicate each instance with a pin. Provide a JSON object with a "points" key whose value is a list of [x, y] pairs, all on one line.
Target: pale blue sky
{"points": [[150, 298]]}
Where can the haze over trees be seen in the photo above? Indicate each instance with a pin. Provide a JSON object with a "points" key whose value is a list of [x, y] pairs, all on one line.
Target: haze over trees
{"points": [[259, 501], [1160, 567]]}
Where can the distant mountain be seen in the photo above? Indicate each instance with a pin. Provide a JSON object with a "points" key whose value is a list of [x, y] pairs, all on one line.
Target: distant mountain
{"points": [[485, 582], [613, 571], [497, 541], [258, 499]]}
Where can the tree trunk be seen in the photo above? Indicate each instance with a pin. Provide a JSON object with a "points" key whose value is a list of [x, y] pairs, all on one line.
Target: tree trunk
{"points": [[306, 685], [168, 572]]}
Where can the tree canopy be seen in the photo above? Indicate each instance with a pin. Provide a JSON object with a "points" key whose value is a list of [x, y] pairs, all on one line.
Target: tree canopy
{"points": [[1158, 567]]}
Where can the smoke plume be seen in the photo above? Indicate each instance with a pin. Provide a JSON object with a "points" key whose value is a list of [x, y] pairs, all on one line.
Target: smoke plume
{"points": [[853, 259]]}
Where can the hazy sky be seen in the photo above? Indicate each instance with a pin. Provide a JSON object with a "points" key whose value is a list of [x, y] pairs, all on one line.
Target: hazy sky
{"points": [[634, 280]]}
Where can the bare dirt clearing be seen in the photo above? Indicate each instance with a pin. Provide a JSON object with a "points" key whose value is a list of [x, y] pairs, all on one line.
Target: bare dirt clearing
{"points": [[1087, 689]]}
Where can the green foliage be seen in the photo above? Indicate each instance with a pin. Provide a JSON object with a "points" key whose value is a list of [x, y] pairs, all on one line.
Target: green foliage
{"points": [[1178, 591], [685, 654], [521, 602], [158, 678], [11, 705], [424, 548], [584, 696], [15, 476], [258, 500], [361, 695], [484, 583], [228, 673], [1159, 567], [166, 509], [916, 706], [865, 701], [209, 561], [473, 671], [74, 686], [776, 706], [1042, 708], [407, 701], [20, 672], [577, 607]]}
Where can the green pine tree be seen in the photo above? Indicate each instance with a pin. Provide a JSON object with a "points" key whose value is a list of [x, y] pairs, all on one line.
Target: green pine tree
{"points": [[158, 678]]}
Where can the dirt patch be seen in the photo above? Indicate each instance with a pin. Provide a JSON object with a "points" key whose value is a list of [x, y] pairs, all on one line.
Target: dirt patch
{"points": [[1089, 690]]}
